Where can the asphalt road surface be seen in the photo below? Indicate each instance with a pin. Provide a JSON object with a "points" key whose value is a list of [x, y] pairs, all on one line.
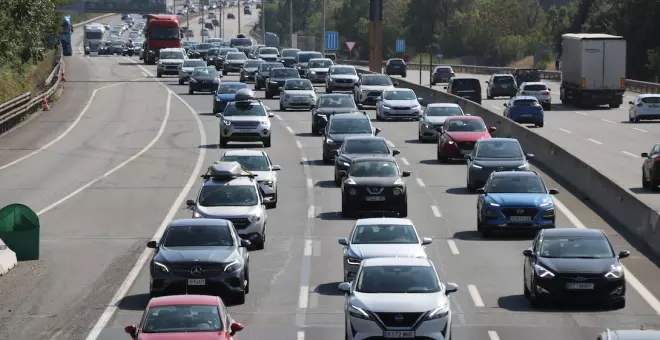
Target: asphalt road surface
{"points": [[601, 137]]}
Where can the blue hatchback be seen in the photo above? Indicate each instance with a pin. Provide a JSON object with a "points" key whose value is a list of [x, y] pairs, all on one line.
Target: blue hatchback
{"points": [[525, 110], [226, 93], [515, 200]]}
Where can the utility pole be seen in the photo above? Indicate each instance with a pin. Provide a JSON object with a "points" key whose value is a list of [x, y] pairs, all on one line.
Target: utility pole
{"points": [[238, 3], [291, 22], [222, 21], [323, 31], [263, 20], [203, 21]]}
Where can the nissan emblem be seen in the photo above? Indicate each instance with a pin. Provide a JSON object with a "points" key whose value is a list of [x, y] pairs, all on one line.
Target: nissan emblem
{"points": [[398, 318]]}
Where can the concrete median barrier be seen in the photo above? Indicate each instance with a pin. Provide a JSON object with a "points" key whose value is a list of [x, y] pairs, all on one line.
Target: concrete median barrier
{"points": [[7, 258], [610, 199]]}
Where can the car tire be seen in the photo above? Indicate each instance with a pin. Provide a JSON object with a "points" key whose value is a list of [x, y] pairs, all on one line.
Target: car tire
{"points": [[266, 142], [315, 130], [360, 106], [224, 73], [222, 142], [256, 86], [548, 107], [190, 91], [404, 75], [328, 90], [238, 298], [346, 211], [471, 187], [618, 304], [268, 95], [247, 278], [326, 159], [337, 181], [403, 212], [433, 83], [539, 124], [282, 108], [159, 75], [180, 81]]}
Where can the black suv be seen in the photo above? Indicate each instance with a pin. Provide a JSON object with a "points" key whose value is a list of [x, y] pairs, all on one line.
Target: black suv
{"points": [[374, 184], [395, 66], [341, 126], [442, 75], [526, 75], [327, 105], [262, 74], [357, 147], [465, 87], [501, 85], [276, 79]]}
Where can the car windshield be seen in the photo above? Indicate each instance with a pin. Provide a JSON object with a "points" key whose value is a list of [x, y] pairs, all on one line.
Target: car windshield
{"points": [[299, 84], [374, 169], [348, 126], [444, 111], [305, 57], [289, 53], [466, 85], [651, 100], [396, 62], [443, 70], [205, 72], [384, 234], [268, 50], [120, 43], [228, 196], [575, 247], [245, 110], [399, 95], [171, 55], [164, 33], [93, 34], [376, 80], [284, 73], [366, 146], [517, 185], [268, 67], [236, 56], [343, 71], [213, 52], [230, 88], [343, 101], [198, 236], [241, 42], [526, 102], [252, 63], [503, 80], [497, 149], [535, 88], [182, 319], [224, 52], [320, 64], [397, 280], [466, 125], [252, 163], [194, 63]]}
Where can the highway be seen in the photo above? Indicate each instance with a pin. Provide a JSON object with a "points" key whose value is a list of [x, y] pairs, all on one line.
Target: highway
{"points": [[94, 234], [602, 137]]}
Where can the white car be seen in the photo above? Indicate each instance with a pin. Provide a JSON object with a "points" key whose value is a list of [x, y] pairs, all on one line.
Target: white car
{"points": [[398, 103], [644, 107], [400, 298], [433, 118], [297, 94], [539, 91], [169, 61]]}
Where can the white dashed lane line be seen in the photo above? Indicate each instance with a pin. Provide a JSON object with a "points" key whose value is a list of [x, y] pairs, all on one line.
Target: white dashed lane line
{"points": [[391, 145], [491, 334], [640, 130], [564, 130], [420, 182], [288, 128], [453, 247], [476, 298], [581, 113], [608, 121], [595, 141], [405, 161], [298, 144], [629, 154], [436, 211], [310, 183]]}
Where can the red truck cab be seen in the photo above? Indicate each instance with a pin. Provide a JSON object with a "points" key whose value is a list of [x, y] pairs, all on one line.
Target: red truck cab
{"points": [[163, 31]]}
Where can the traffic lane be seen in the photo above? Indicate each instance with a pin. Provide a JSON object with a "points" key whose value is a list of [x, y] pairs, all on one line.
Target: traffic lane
{"points": [[230, 26], [91, 237]]}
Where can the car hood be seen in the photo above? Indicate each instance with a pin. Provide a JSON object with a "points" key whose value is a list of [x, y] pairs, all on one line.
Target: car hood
{"points": [[319, 69], [229, 211], [435, 120], [300, 92], [341, 137], [235, 61], [519, 200], [465, 136], [408, 103], [269, 56], [188, 69], [226, 96], [376, 87], [366, 251], [344, 76], [375, 181], [182, 335], [264, 175], [577, 266], [493, 162], [402, 303], [171, 61], [192, 254], [353, 156], [250, 69], [245, 119], [282, 79], [329, 110]]}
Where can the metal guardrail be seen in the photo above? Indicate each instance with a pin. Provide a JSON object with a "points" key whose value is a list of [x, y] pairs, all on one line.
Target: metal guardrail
{"points": [[631, 85]]}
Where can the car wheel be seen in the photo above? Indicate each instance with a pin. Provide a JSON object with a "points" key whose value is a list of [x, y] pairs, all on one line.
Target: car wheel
{"points": [[224, 73], [346, 211], [268, 95], [266, 142], [403, 212], [337, 181], [238, 298], [328, 90], [159, 75], [190, 91], [315, 130], [526, 291], [326, 159], [282, 108], [222, 142]]}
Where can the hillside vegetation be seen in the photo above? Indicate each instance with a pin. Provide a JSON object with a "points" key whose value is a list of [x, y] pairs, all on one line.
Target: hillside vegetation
{"points": [[483, 32]]}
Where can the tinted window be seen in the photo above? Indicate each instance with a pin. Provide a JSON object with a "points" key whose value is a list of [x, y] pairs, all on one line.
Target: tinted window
{"points": [[236, 56], [336, 102], [376, 80], [252, 163], [384, 234], [576, 247], [465, 125], [230, 88], [205, 72], [245, 110], [268, 50], [503, 80], [399, 95], [204, 46], [214, 52], [320, 64], [290, 53], [396, 62], [343, 126], [93, 34], [253, 63], [366, 146], [170, 319], [443, 70], [466, 85], [298, 84], [397, 279], [305, 57], [228, 196], [284, 72], [526, 102], [539, 87], [171, 55], [164, 33], [651, 100], [517, 184], [343, 71], [225, 51], [199, 236], [268, 67], [497, 149], [444, 111], [241, 42], [374, 169]]}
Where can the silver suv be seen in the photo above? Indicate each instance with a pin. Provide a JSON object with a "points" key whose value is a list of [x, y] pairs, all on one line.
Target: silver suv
{"points": [[169, 61], [230, 192], [245, 119]]}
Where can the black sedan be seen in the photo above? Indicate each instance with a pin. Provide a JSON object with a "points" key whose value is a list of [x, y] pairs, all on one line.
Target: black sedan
{"points": [[204, 79], [200, 256], [576, 265], [115, 47], [357, 147], [276, 80]]}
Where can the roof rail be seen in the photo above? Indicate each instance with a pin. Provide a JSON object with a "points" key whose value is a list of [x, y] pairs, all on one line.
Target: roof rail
{"points": [[227, 170]]}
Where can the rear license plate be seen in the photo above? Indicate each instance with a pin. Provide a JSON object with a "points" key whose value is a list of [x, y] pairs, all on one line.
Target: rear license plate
{"points": [[374, 198], [196, 282], [520, 218], [654, 106], [580, 286], [526, 115], [465, 152], [399, 334]]}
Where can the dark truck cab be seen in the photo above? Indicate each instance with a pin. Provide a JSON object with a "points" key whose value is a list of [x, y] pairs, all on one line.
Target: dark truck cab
{"points": [[526, 75]]}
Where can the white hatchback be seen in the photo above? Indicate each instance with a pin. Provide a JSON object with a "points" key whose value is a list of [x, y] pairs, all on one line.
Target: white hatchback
{"points": [[644, 107], [538, 90]]}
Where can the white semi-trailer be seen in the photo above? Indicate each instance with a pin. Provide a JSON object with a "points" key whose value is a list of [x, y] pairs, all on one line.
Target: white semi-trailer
{"points": [[593, 70]]}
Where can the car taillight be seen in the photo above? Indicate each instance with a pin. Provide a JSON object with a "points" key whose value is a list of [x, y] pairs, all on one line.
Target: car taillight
{"points": [[525, 93], [640, 105], [453, 91], [545, 93], [656, 159]]}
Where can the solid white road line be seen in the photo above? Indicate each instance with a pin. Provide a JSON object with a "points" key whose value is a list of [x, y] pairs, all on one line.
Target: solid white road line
{"points": [[420, 182], [144, 75], [310, 183], [640, 130], [595, 141], [436, 211], [278, 117], [581, 113], [564, 130], [301, 335], [476, 298], [629, 154], [298, 144], [608, 121], [303, 297], [493, 335], [405, 161], [308, 248], [288, 128], [496, 107], [453, 247], [310, 212]]}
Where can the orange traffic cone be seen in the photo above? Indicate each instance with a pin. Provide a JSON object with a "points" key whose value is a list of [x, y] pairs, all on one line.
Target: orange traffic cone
{"points": [[44, 105], [62, 77]]}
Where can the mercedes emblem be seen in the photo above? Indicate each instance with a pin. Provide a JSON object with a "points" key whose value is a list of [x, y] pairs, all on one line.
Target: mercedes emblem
{"points": [[398, 318], [520, 211], [196, 270]]}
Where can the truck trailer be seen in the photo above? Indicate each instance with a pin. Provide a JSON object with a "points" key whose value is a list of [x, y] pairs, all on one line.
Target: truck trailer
{"points": [[163, 31], [93, 35], [65, 36], [593, 70]]}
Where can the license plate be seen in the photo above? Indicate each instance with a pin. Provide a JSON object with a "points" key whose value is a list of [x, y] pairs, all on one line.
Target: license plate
{"points": [[465, 152], [505, 86], [580, 286], [399, 334], [374, 198], [299, 101], [520, 218], [525, 115], [196, 282], [654, 106]]}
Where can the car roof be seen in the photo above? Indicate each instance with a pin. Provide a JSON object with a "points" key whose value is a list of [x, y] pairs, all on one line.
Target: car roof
{"points": [[396, 261], [443, 105], [297, 79], [189, 222], [352, 115], [508, 75], [497, 140], [399, 89], [320, 59], [515, 174], [244, 152], [384, 220], [343, 66], [532, 83], [633, 334], [365, 137], [649, 95], [465, 78], [524, 98], [567, 232], [184, 300], [463, 118]]}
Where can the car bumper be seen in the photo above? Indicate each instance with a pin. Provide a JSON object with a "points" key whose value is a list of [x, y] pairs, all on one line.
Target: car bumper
{"points": [[495, 220], [316, 78], [359, 204], [244, 134], [168, 70], [247, 76], [442, 79], [555, 289], [501, 92], [397, 71], [203, 87], [228, 67], [646, 113], [429, 132], [406, 113], [297, 102], [184, 76], [340, 86], [427, 330], [527, 118], [174, 284], [369, 97]]}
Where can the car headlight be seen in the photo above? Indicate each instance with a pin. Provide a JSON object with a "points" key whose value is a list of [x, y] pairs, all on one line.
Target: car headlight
{"points": [[358, 312], [226, 122], [345, 164], [272, 82], [476, 166], [329, 141], [352, 191], [270, 183], [493, 204], [523, 167], [192, 80], [312, 72], [397, 191], [232, 266], [427, 126], [216, 81], [353, 261], [197, 215], [350, 181], [399, 181], [616, 272], [161, 267], [545, 204], [542, 272], [264, 123], [438, 313], [255, 218], [287, 96], [386, 107]]}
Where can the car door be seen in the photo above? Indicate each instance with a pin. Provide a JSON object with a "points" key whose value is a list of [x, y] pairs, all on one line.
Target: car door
{"points": [[633, 105], [480, 199]]}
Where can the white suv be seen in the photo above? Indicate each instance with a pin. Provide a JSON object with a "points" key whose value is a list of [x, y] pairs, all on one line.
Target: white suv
{"points": [[538, 90], [169, 60]]}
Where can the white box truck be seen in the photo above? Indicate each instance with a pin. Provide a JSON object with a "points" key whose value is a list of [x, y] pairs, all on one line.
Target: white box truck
{"points": [[593, 70]]}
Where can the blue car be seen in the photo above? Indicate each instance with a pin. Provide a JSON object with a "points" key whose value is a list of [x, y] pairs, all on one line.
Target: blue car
{"points": [[515, 201], [226, 93], [525, 110]]}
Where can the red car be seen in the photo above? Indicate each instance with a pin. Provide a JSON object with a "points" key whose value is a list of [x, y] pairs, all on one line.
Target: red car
{"points": [[189, 317], [459, 133]]}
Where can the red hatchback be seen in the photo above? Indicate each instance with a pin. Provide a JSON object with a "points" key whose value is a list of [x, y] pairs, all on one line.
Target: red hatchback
{"points": [[189, 317], [459, 133]]}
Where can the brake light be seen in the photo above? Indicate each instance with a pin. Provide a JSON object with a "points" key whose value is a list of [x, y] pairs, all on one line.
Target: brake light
{"points": [[545, 93], [525, 93], [453, 91], [656, 159], [640, 105]]}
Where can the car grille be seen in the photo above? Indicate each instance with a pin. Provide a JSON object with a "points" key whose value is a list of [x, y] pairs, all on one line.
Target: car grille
{"points": [[580, 277], [208, 269], [520, 212], [346, 81], [401, 107], [239, 223], [245, 123], [465, 145], [389, 319], [321, 73], [374, 93]]}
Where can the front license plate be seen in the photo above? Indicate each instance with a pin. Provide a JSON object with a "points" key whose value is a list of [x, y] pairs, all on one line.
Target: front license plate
{"points": [[399, 334], [520, 218], [374, 198], [580, 286], [525, 115], [196, 282], [465, 152]]}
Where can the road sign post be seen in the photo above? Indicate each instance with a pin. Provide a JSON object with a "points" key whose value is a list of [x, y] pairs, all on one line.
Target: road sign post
{"points": [[400, 46], [331, 41], [350, 45]]}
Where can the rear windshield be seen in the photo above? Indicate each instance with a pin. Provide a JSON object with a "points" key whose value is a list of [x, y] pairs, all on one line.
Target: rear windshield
{"points": [[396, 62], [503, 80], [194, 63], [268, 50], [651, 100], [204, 46], [241, 42], [284, 72], [526, 102], [466, 84], [305, 57], [376, 80], [535, 88], [443, 70], [289, 53]]}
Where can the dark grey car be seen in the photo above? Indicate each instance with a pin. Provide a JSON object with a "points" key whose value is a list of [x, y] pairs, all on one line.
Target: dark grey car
{"points": [[501, 85], [327, 105], [494, 154]]}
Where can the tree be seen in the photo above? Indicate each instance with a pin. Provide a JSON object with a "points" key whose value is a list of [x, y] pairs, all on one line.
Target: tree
{"points": [[653, 64]]}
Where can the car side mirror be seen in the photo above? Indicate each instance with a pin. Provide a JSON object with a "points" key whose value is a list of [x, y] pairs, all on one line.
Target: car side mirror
{"points": [[405, 174], [396, 84], [487, 81], [275, 168], [131, 330], [481, 191], [271, 115], [445, 87], [235, 328], [152, 244], [377, 131], [426, 240], [549, 90], [344, 287], [631, 103], [529, 155], [395, 152], [645, 155], [379, 99], [528, 253], [219, 114], [343, 241], [492, 129], [334, 152], [467, 156], [245, 243], [624, 254], [451, 288], [553, 191], [505, 105], [190, 203], [420, 99]]}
